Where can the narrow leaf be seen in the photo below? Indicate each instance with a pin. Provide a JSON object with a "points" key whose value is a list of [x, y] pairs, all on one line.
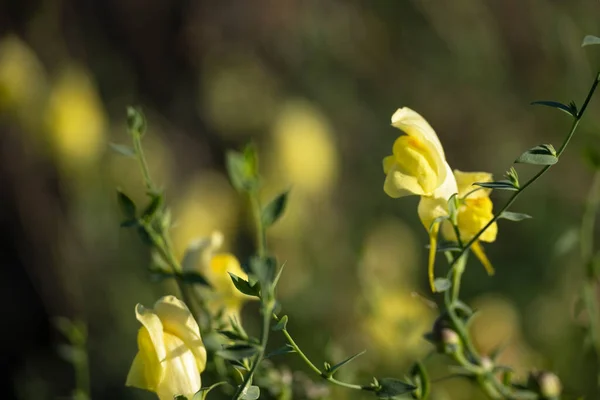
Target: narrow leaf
{"points": [[152, 208], [282, 324], [237, 352], [555, 104], [193, 278], [232, 335], [337, 366], [590, 40], [390, 388], [123, 150], [286, 349], [513, 216], [274, 210], [498, 185]]}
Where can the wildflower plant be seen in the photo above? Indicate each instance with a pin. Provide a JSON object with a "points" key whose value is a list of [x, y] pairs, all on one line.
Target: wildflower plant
{"points": [[199, 330]]}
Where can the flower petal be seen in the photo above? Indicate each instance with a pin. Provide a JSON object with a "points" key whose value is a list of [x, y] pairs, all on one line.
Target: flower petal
{"points": [[480, 254], [388, 163], [399, 184], [177, 320], [465, 181], [154, 326], [182, 376], [413, 124], [137, 375]]}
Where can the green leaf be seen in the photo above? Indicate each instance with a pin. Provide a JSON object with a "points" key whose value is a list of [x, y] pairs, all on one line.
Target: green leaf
{"points": [[390, 388], [136, 122], [123, 150], [264, 270], [282, 324], [436, 221], [144, 236], [421, 378], [276, 280], [453, 204], [498, 185], [201, 395], [590, 40], [441, 284], [250, 393], [544, 154], [126, 205], [244, 286], [337, 366], [286, 349], [513, 216], [243, 169], [229, 334], [237, 352], [555, 104], [194, 278], [274, 210], [155, 204]]}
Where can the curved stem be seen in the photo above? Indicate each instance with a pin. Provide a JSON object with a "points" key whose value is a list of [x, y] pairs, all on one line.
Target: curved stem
{"points": [[316, 370], [559, 152]]}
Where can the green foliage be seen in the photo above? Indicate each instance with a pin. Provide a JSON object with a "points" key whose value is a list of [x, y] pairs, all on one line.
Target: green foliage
{"points": [[123, 150], [498, 185], [274, 210], [126, 205], [250, 393], [285, 349], [513, 216], [243, 169], [571, 109], [136, 122], [441, 284], [544, 154], [244, 286], [390, 388], [237, 352], [333, 369], [590, 40], [282, 324]]}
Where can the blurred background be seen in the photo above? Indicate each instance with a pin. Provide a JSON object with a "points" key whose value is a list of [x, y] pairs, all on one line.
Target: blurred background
{"points": [[313, 84]]}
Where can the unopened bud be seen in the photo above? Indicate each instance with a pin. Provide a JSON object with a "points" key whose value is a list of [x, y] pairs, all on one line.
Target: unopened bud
{"points": [[450, 340], [486, 363], [546, 383]]}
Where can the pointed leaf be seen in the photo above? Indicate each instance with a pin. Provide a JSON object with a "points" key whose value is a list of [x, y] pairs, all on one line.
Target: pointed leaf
{"points": [[498, 185], [237, 352], [513, 216], [126, 205], [244, 287], [337, 366], [194, 278], [543, 154], [264, 269], [282, 324], [286, 349], [590, 40], [123, 150], [556, 104], [152, 208], [274, 210], [390, 388]]}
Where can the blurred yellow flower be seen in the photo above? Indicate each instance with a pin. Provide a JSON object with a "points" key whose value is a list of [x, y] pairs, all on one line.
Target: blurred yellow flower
{"points": [[215, 267], [304, 148], [75, 119], [418, 165], [22, 79], [171, 353], [396, 324], [207, 203]]}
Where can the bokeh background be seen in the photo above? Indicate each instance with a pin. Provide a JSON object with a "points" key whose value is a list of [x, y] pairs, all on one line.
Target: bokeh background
{"points": [[313, 84]]}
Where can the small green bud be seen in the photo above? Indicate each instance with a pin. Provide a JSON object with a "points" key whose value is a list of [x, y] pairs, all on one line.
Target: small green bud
{"points": [[487, 364], [450, 340]]}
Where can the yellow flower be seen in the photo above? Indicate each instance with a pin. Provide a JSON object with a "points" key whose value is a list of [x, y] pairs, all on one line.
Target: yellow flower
{"points": [[171, 353], [474, 212], [215, 267], [418, 164]]}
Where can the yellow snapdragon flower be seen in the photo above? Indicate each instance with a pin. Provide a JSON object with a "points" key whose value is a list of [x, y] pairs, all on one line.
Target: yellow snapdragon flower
{"points": [[171, 353], [215, 267], [417, 165]]}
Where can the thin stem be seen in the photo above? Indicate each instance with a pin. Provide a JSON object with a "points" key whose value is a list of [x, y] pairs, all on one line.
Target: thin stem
{"points": [[267, 312], [261, 237], [459, 268], [316, 370], [137, 146], [561, 149]]}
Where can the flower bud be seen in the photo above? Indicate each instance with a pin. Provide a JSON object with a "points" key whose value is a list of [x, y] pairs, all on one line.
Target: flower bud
{"points": [[546, 383], [486, 363]]}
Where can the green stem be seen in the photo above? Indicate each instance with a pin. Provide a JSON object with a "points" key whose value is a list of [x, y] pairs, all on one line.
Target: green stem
{"points": [[266, 326], [137, 147], [261, 236], [561, 149], [316, 370]]}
